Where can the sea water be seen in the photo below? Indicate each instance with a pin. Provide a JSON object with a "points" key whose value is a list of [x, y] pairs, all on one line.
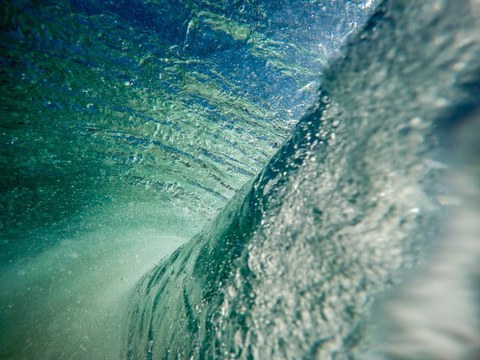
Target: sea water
{"points": [[126, 127], [111, 162], [351, 204]]}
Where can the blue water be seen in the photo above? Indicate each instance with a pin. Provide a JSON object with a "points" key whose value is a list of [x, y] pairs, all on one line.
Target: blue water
{"points": [[242, 180]]}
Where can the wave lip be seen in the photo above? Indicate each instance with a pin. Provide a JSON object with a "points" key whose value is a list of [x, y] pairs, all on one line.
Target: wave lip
{"points": [[343, 212]]}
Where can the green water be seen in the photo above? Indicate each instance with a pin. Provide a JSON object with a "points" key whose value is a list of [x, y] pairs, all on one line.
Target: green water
{"points": [[364, 196], [125, 128]]}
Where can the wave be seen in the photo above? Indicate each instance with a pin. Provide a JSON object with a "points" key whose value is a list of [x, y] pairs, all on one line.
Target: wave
{"points": [[343, 212], [126, 126]]}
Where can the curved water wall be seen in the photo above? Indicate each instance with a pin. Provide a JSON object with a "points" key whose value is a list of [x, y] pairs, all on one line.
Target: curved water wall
{"points": [[351, 202], [126, 126], [375, 180]]}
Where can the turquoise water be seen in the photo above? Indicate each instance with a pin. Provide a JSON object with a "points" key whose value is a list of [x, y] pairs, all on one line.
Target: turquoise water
{"points": [[297, 182], [126, 127]]}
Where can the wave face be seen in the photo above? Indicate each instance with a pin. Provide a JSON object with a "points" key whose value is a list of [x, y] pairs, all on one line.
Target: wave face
{"points": [[139, 96], [342, 212], [126, 126]]}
